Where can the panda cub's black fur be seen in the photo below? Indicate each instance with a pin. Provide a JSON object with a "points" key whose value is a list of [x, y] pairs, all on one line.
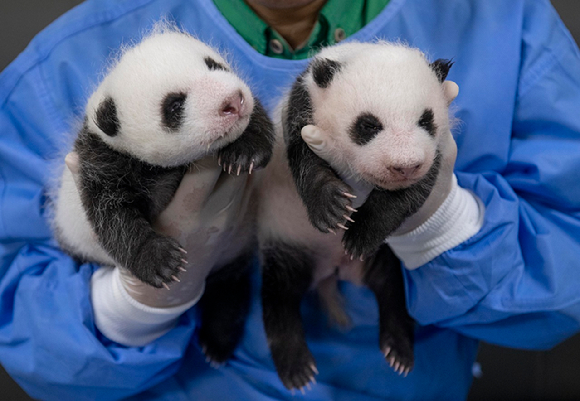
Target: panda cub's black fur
{"points": [[122, 195], [383, 109], [321, 189], [142, 131]]}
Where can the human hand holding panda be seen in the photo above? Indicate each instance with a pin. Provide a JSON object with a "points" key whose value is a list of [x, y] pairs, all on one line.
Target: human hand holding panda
{"points": [[167, 103], [144, 191], [367, 155], [365, 126], [416, 158]]}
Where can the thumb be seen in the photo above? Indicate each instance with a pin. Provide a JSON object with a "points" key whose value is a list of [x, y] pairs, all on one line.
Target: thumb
{"points": [[450, 90], [72, 162], [318, 142]]}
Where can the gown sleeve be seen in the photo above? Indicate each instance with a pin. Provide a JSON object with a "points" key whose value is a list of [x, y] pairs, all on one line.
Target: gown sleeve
{"points": [[516, 282], [48, 340]]}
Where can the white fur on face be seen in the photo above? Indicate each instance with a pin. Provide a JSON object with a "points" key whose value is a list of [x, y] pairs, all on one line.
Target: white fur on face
{"points": [[164, 63], [396, 85]]}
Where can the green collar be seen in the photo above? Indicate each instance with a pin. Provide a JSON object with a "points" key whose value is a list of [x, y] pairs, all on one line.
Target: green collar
{"points": [[337, 20]]}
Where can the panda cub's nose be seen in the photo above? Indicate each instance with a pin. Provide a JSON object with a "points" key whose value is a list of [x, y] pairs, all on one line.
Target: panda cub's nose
{"points": [[405, 172], [232, 105]]}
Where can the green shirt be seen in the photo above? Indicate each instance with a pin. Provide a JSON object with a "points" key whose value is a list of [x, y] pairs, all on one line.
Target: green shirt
{"points": [[337, 20]]}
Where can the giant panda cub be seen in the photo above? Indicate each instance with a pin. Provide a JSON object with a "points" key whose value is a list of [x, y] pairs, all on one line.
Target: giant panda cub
{"points": [[384, 110], [167, 102]]}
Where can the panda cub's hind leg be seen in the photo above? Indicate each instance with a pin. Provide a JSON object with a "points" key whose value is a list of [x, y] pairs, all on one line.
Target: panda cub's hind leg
{"points": [[224, 308], [287, 275], [384, 277]]}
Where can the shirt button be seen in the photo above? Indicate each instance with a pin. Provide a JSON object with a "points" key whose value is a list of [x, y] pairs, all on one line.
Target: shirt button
{"points": [[339, 35], [276, 46]]}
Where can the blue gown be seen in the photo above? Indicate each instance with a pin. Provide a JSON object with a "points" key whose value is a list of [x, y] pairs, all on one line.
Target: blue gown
{"points": [[515, 283]]}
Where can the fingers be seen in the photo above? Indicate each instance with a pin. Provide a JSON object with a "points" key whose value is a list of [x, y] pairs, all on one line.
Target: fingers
{"points": [[228, 187], [204, 182], [196, 186], [204, 201], [449, 151]]}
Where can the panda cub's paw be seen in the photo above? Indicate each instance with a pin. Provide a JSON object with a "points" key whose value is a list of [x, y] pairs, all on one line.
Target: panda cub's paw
{"points": [[159, 261], [398, 352], [296, 367], [243, 157], [329, 204], [360, 242]]}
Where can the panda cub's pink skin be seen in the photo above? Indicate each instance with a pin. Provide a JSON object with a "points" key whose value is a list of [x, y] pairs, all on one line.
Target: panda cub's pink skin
{"points": [[167, 102], [384, 110]]}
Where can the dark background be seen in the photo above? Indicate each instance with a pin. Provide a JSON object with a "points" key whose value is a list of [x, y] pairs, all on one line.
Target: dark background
{"points": [[506, 374]]}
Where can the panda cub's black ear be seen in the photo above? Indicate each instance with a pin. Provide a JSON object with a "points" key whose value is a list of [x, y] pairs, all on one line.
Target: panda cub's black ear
{"points": [[323, 71], [441, 67], [106, 117]]}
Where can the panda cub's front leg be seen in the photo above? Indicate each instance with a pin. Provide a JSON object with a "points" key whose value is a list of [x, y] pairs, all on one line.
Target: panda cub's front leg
{"points": [[379, 216], [383, 212], [326, 197], [121, 199], [128, 237], [253, 149]]}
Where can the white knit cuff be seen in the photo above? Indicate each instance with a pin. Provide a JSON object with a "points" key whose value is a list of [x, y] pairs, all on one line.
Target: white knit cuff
{"points": [[124, 320], [457, 219]]}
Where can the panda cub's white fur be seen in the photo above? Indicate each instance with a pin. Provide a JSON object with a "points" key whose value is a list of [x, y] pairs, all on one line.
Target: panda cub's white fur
{"points": [[171, 62], [407, 86], [382, 111], [168, 101]]}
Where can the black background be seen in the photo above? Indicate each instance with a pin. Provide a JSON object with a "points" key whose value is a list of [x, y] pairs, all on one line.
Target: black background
{"points": [[507, 374]]}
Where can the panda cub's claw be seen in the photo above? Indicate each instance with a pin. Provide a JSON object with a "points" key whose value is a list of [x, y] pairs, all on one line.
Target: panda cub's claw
{"points": [[296, 367], [399, 354], [328, 205], [243, 158], [159, 261], [353, 245], [396, 340], [212, 360]]}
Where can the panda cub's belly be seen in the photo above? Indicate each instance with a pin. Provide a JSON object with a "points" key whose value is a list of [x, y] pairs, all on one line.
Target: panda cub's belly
{"points": [[283, 217]]}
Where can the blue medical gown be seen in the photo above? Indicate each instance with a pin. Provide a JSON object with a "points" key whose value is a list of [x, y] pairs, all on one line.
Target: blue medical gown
{"points": [[515, 283]]}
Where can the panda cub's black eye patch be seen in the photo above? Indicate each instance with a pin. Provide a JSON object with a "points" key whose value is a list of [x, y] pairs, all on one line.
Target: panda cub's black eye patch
{"points": [[106, 117], [427, 122], [172, 110], [214, 65], [365, 128]]}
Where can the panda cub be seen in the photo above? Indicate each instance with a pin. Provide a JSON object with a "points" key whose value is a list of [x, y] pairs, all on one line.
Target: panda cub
{"points": [[384, 110], [167, 102]]}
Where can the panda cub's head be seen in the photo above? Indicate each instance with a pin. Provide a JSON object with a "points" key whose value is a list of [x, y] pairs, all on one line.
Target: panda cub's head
{"points": [[170, 100], [383, 107]]}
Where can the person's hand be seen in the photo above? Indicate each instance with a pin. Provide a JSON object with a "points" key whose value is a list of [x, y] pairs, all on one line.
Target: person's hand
{"points": [[320, 143], [207, 209]]}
